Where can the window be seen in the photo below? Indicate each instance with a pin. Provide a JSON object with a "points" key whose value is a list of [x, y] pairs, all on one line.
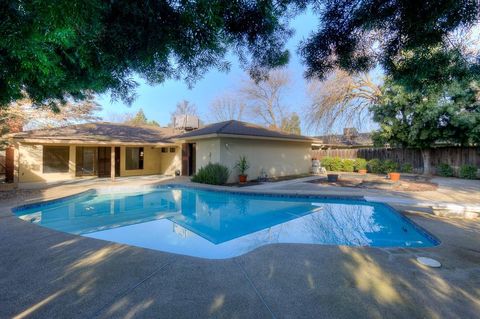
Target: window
{"points": [[134, 158], [172, 149], [164, 150], [55, 159]]}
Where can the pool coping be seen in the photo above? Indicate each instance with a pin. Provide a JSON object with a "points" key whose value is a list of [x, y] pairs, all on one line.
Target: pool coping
{"points": [[436, 242]]}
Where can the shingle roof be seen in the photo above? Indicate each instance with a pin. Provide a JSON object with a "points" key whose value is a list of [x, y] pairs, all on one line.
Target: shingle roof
{"points": [[233, 127], [101, 132]]}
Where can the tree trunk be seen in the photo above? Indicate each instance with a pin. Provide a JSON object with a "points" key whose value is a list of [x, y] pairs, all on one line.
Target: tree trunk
{"points": [[426, 161]]}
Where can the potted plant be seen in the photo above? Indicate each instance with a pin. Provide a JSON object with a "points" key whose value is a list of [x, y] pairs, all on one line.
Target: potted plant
{"points": [[361, 166], [390, 168], [242, 166]]}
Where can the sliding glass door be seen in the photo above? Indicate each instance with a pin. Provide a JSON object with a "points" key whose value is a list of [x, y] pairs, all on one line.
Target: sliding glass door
{"points": [[87, 161]]}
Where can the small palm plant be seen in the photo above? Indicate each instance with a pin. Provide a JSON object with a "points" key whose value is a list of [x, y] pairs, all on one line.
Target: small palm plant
{"points": [[242, 165]]}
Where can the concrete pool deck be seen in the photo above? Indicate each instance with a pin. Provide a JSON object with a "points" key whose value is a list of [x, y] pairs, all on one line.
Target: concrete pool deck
{"points": [[49, 274]]}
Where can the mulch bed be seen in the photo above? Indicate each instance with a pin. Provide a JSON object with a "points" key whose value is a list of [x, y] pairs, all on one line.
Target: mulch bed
{"points": [[409, 184]]}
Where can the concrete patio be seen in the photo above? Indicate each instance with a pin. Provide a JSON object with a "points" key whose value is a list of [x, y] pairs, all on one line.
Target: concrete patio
{"points": [[48, 274]]}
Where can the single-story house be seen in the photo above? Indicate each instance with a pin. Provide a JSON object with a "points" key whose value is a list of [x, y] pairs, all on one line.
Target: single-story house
{"points": [[111, 150]]}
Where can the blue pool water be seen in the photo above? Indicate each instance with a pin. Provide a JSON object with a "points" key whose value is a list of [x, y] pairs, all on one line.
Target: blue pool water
{"points": [[213, 224]]}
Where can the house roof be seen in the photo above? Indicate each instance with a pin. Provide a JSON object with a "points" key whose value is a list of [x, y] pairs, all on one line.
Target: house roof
{"points": [[239, 129], [347, 140], [102, 132]]}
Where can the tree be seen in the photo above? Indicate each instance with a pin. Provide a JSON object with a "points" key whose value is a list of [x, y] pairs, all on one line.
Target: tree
{"points": [[227, 107], [140, 119], [57, 51], [342, 99], [357, 35], [264, 98], [421, 119], [291, 124], [184, 107], [23, 114]]}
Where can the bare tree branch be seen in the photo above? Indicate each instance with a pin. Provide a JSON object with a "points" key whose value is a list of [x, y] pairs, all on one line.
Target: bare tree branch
{"points": [[23, 114], [264, 98], [342, 99], [227, 107]]}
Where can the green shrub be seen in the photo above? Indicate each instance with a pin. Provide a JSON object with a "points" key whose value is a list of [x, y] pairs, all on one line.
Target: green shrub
{"points": [[348, 165], [360, 163], [406, 168], [468, 172], [337, 164], [375, 166], [332, 163], [214, 174], [444, 170], [389, 166], [326, 162]]}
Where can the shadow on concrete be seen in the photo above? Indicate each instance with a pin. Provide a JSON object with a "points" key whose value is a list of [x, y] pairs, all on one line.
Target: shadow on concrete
{"points": [[48, 274]]}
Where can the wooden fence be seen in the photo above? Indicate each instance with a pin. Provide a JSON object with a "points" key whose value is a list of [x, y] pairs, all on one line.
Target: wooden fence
{"points": [[454, 156]]}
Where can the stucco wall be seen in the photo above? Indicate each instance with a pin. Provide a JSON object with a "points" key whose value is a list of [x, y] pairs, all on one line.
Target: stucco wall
{"points": [[170, 162], [30, 163], [207, 151], [277, 158], [151, 162]]}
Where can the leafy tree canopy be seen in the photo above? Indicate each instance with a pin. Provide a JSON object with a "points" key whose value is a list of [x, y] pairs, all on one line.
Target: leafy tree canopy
{"points": [[52, 51], [58, 49], [421, 119], [398, 35]]}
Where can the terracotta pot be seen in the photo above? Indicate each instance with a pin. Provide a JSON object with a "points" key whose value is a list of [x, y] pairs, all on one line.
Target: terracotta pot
{"points": [[242, 179], [332, 178], [362, 171], [394, 177]]}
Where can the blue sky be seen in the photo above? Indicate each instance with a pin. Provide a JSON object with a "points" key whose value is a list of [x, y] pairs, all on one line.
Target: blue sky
{"points": [[160, 100]]}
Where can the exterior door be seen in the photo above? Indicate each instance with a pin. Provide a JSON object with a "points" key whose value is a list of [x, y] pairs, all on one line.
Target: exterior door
{"points": [[9, 164], [188, 159], [117, 161], [86, 161], [104, 161]]}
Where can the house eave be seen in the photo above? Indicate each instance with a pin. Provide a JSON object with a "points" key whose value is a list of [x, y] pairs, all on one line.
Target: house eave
{"points": [[249, 137], [88, 142]]}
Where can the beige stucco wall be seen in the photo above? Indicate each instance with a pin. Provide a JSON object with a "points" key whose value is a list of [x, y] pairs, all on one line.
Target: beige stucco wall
{"points": [[29, 158], [170, 162], [30, 164], [277, 158], [151, 162], [207, 151]]}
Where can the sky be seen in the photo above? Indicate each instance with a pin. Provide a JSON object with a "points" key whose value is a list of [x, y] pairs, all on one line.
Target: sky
{"points": [[159, 101]]}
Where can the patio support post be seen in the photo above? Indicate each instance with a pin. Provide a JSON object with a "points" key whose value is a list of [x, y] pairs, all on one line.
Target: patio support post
{"points": [[112, 163]]}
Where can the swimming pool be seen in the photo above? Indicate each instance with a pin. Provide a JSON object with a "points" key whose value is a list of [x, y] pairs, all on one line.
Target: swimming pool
{"points": [[214, 224]]}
